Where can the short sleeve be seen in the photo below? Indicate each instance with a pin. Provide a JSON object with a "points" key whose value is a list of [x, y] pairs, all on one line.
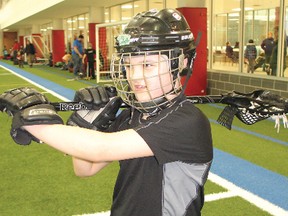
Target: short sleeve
{"points": [[184, 134]]}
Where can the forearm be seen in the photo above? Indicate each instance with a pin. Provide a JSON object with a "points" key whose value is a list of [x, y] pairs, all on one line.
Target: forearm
{"points": [[77, 51], [78, 142]]}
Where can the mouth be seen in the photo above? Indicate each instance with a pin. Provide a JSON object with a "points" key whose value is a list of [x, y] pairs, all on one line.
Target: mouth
{"points": [[139, 87]]}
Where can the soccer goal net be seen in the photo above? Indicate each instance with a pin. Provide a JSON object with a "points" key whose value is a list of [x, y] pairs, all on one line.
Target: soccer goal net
{"points": [[105, 41]]}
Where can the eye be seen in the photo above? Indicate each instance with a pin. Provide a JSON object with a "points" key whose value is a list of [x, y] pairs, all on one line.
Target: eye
{"points": [[149, 65]]}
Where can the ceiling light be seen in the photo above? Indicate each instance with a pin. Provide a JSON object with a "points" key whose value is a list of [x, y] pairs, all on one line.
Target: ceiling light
{"points": [[127, 6]]}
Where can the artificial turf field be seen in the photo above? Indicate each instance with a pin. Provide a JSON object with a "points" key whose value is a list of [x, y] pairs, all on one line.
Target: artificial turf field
{"points": [[38, 180]]}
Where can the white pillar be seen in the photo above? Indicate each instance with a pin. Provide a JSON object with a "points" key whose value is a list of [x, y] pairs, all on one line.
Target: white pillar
{"points": [[1, 43]]}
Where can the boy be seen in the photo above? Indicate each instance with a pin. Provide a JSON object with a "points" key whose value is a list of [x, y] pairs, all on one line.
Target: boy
{"points": [[162, 141], [90, 54]]}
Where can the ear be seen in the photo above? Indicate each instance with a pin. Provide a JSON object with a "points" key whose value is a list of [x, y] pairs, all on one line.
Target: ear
{"points": [[185, 62], [184, 68]]}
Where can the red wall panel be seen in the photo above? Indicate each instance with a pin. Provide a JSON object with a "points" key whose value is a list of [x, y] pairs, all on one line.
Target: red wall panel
{"points": [[197, 20], [58, 45]]}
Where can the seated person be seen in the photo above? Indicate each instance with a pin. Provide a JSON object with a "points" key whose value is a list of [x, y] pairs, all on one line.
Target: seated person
{"points": [[6, 55], [230, 53], [66, 59]]}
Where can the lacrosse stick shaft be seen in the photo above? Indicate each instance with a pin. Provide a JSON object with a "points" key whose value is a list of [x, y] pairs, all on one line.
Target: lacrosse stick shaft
{"points": [[75, 106]]}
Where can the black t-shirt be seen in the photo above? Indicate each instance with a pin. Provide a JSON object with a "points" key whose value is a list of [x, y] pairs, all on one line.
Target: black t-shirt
{"points": [[90, 54], [180, 138]]}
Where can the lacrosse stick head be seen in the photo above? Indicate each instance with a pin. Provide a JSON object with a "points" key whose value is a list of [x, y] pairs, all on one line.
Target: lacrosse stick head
{"points": [[252, 107]]}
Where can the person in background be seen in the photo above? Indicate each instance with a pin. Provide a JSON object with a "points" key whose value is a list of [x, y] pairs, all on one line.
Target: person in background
{"points": [[6, 54], [250, 55], [20, 57], [30, 53], [274, 55], [230, 53], [267, 45], [77, 55], [67, 58], [90, 54], [15, 50], [236, 50]]}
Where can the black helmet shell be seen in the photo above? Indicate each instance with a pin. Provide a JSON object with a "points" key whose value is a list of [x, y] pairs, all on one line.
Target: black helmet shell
{"points": [[155, 30]]}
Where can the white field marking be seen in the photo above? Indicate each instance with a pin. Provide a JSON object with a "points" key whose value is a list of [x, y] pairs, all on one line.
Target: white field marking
{"points": [[107, 213], [250, 197], [36, 84], [218, 196]]}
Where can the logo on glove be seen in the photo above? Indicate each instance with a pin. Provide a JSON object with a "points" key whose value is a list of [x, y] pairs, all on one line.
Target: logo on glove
{"points": [[72, 106]]}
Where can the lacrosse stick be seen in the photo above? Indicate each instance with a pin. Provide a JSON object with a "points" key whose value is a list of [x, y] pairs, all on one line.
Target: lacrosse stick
{"points": [[248, 108]]}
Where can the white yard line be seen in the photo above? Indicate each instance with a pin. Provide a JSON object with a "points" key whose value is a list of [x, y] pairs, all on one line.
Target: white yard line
{"points": [[250, 197], [218, 196], [36, 84]]}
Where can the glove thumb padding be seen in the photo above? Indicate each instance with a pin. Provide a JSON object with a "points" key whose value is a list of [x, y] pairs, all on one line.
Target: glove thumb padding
{"points": [[35, 115], [95, 97], [96, 119]]}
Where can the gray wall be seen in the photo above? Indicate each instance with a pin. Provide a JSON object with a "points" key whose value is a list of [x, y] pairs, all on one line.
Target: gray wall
{"points": [[222, 82]]}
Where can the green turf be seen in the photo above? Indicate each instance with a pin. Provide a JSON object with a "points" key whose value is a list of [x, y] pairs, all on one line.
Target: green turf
{"points": [[235, 206], [37, 180], [265, 153]]}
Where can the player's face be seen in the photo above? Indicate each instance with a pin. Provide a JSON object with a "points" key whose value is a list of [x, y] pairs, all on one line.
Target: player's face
{"points": [[149, 76]]}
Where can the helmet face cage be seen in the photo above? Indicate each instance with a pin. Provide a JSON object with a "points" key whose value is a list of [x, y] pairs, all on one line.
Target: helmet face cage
{"points": [[148, 80]]}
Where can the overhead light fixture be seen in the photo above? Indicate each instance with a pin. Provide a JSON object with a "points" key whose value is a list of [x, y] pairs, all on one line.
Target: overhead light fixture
{"points": [[127, 6]]}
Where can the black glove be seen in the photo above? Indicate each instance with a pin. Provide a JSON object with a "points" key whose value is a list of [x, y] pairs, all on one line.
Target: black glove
{"points": [[28, 107], [18, 99], [102, 104], [95, 97], [36, 115]]}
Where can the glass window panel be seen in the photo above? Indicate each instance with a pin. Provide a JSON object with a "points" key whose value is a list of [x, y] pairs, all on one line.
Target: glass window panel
{"points": [[225, 28], [107, 15], [126, 11], [115, 13], [156, 4], [233, 25], [260, 18], [171, 4], [139, 6]]}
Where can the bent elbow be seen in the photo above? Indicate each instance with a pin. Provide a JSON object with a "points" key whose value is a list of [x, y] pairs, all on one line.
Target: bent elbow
{"points": [[82, 174]]}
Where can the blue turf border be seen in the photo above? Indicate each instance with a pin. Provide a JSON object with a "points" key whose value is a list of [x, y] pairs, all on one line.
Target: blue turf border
{"points": [[65, 92], [258, 180]]}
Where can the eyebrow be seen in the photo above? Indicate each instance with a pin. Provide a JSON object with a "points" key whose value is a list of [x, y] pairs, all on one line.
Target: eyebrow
{"points": [[145, 60]]}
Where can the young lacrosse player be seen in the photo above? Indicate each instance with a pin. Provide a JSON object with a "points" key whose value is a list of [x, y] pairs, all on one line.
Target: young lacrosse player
{"points": [[162, 141]]}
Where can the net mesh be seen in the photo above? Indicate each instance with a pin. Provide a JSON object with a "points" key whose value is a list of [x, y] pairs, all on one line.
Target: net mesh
{"points": [[106, 42]]}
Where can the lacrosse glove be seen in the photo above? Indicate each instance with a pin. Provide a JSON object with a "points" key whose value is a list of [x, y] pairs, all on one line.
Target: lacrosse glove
{"points": [[28, 107], [102, 106]]}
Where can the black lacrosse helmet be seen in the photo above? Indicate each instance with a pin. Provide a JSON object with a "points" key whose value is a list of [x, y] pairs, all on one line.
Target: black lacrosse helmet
{"points": [[164, 32]]}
